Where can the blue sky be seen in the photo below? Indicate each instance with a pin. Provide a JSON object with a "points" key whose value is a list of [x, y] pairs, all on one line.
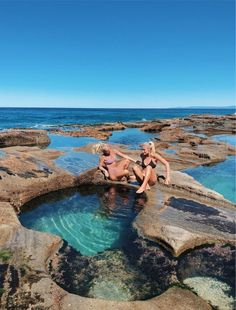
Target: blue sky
{"points": [[116, 53]]}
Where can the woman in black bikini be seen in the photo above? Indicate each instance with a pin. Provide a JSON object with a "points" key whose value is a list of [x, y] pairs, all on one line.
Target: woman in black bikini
{"points": [[146, 174], [112, 168]]}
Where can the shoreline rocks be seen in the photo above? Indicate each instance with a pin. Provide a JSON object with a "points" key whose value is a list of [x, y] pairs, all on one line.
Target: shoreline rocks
{"points": [[26, 137]]}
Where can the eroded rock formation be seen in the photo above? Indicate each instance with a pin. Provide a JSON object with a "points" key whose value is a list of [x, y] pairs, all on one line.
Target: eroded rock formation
{"points": [[27, 137]]}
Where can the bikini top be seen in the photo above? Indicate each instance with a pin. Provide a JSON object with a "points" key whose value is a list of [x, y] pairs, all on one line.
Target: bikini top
{"points": [[151, 163], [109, 161]]}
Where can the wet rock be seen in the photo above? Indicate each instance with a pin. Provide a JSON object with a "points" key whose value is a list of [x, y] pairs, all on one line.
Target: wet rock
{"points": [[84, 132], [180, 224], [108, 275], [100, 132], [156, 126], [154, 261], [110, 127], [26, 137]]}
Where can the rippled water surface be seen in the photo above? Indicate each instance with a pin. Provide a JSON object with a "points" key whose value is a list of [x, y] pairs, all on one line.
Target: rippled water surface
{"points": [[220, 177], [230, 139], [91, 219], [116, 263], [65, 142], [132, 137]]}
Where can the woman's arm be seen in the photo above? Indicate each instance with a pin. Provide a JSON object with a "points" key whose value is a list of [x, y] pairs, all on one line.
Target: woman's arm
{"points": [[166, 164], [117, 152], [101, 167]]}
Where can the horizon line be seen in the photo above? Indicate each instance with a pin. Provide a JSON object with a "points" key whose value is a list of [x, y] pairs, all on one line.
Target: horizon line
{"points": [[123, 108]]}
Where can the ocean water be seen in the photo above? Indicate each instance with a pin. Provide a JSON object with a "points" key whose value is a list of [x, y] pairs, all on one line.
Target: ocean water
{"points": [[47, 118]]}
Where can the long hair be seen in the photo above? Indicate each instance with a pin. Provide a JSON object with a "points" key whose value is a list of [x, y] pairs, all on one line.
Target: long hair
{"points": [[97, 148], [151, 147]]}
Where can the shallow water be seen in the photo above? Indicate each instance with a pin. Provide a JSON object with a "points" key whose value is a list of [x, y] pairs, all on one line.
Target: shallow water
{"points": [[65, 142], [77, 162], [132, 137], [170, 151], [219, 177], [2, 154], [213, 290], [230, 139], [117, 264], [91, 220]]}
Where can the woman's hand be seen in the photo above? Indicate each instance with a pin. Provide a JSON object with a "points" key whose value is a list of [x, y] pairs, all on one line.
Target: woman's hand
{"points": [[106, 173]]}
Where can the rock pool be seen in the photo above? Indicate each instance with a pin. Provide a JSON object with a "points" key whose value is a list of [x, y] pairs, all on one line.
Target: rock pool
{"points": [[91, 219], [103, 257]]}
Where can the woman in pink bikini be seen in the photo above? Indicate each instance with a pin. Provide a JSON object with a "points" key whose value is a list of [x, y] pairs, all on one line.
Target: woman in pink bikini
{"points": [[112, 168], [146, 174]]}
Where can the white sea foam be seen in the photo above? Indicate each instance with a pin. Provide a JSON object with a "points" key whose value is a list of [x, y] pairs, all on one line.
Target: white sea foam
{"points": [[43, 126]]}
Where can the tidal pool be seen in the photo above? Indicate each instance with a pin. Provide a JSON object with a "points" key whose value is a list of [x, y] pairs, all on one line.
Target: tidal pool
{"points": [[91, 219], [66, 142], [103, 257], [219, 177], [132, 137], [230, 139]]}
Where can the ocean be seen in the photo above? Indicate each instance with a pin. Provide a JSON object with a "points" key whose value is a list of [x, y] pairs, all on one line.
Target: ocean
{"points": [[44, 118]]}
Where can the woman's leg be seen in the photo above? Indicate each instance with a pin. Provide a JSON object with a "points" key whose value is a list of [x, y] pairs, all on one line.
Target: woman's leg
{"points": [[147, 178], [138, 173], [123, 164], [116, 175], [120, 170]]}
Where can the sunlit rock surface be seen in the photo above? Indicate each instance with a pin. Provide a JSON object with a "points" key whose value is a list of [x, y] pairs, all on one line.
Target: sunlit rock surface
{"points": [[27, 137], [179, 217]]}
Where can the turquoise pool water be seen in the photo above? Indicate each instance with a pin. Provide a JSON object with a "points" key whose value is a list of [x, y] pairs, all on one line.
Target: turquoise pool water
{"points": [[131, 137], [170, 151], [91, 219], [2, 154], [220, 177], [77, 162], [65, 142], [74, 162], [230, 139], [117, 264]]}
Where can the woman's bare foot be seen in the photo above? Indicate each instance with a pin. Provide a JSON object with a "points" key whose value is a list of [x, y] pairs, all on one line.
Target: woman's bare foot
{"points": [[140, 190], [131, 178]]}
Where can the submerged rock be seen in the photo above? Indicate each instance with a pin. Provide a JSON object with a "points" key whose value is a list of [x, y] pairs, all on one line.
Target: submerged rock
{"points": [[216, 261], [212, 290]]}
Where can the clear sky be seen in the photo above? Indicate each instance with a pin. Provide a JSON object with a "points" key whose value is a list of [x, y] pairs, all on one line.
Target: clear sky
{"points": [[116, 53]]}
